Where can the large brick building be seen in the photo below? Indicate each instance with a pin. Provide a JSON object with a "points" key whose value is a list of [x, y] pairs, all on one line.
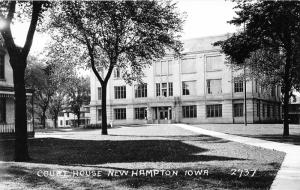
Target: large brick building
{"points": [[196, 88]]}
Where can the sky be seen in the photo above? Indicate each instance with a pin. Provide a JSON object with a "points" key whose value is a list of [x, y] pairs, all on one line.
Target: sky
{"points": [[203, 18]]}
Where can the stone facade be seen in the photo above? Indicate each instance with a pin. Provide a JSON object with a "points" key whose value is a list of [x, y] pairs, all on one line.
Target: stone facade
{"points": [[203, 90]]}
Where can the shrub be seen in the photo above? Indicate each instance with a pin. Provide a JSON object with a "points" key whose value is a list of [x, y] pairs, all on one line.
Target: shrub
{"points": [[95, 126]]}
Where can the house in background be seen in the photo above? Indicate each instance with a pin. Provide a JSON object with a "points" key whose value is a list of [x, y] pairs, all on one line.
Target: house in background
{"points": [[68, 119], [197, 88], [7, 105], [294, 110]]}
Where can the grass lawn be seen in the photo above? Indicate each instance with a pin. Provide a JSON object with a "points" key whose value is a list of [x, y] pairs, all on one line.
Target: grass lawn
{"points": [[271, 132], [138, 149]]}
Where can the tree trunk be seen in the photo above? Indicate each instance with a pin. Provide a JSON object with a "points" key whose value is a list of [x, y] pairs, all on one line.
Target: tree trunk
{"points": [[78, 119], [21, 146], [43, 118], [103, 109], [286, 98]]}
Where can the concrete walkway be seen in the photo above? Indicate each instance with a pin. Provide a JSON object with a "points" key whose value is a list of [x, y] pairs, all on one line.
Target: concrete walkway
{"points": [[288, 177]]}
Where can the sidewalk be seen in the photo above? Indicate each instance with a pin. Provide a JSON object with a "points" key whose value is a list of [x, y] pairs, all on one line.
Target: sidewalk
{"points": [[288, 177]]}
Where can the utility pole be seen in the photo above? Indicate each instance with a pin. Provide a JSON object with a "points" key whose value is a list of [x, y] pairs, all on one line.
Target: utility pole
{"points": [[245, 96]]}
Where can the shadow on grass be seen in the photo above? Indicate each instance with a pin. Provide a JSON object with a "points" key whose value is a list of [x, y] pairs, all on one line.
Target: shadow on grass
{"points": [[292, 139], [68, 152], [29, 177], [203, 138]]}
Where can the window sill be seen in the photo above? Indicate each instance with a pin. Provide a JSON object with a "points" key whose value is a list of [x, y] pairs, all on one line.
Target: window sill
{"points": [[214, 70], [189, 73], [3, 80]]}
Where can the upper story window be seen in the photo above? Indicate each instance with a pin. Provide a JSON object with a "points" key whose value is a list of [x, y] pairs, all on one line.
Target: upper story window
{"points": [[117, 73], [2, 66], [214, 63], [238, 84], [189, 88], [214, 86], [99, 93], [273, 91], [140, 90], [164, 89], [188, 65], [163, 67], [120, 92]]}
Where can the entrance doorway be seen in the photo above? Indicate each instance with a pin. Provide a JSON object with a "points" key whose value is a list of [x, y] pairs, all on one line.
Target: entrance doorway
{"points": [[163, 114]]}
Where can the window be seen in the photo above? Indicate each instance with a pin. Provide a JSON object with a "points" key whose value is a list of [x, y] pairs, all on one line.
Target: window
{"points": [[273, 90], [274, 111], [213, 63], [120, 92], [2, 66], [264, 110], [214, 86], [214, 110], [258, 109], [140, 113], [120, 113], [170, 89], [238, 84], [140, 91], [256, 85], [238, 110], [61, 122], [157, 89], [188, 88], [268, 110], [99, 93], [189, 111], [2, 110], [68, 114], [99, 114], [164, 89], [188, 65], [163, 67], [67, 122], [117, 73]]}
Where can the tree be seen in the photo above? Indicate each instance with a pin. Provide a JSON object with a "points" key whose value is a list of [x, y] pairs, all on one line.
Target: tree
{"points": [[39, 77], [18, 56], [119, 34], [78, 95], [269, 44]]}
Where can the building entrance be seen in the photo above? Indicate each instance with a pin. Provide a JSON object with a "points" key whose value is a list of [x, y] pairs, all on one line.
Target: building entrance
{"points": [[163, 114]]}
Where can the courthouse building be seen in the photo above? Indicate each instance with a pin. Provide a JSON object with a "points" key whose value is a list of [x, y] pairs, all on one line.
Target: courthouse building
{"points": [[198, 87]]}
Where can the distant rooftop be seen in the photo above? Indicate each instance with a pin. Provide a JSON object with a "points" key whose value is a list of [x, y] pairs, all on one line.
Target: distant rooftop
{"points": [[203, 43]]}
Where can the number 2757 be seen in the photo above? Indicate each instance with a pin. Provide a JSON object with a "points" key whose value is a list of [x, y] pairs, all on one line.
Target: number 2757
{"points": [[243, 172]]}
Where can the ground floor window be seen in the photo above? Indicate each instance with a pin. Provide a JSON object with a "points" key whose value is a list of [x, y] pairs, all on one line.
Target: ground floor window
{"points": [[214, 110], [120, 113], [2, 110], [140, 113], [189, 111], [258, 109], [99, 114], [268, 110], [61, 122], [238, 110]]}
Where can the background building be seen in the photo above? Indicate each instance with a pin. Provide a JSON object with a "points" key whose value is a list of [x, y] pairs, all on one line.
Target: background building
{"points": [[67, 118], [7, 105], [197, 88]]}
